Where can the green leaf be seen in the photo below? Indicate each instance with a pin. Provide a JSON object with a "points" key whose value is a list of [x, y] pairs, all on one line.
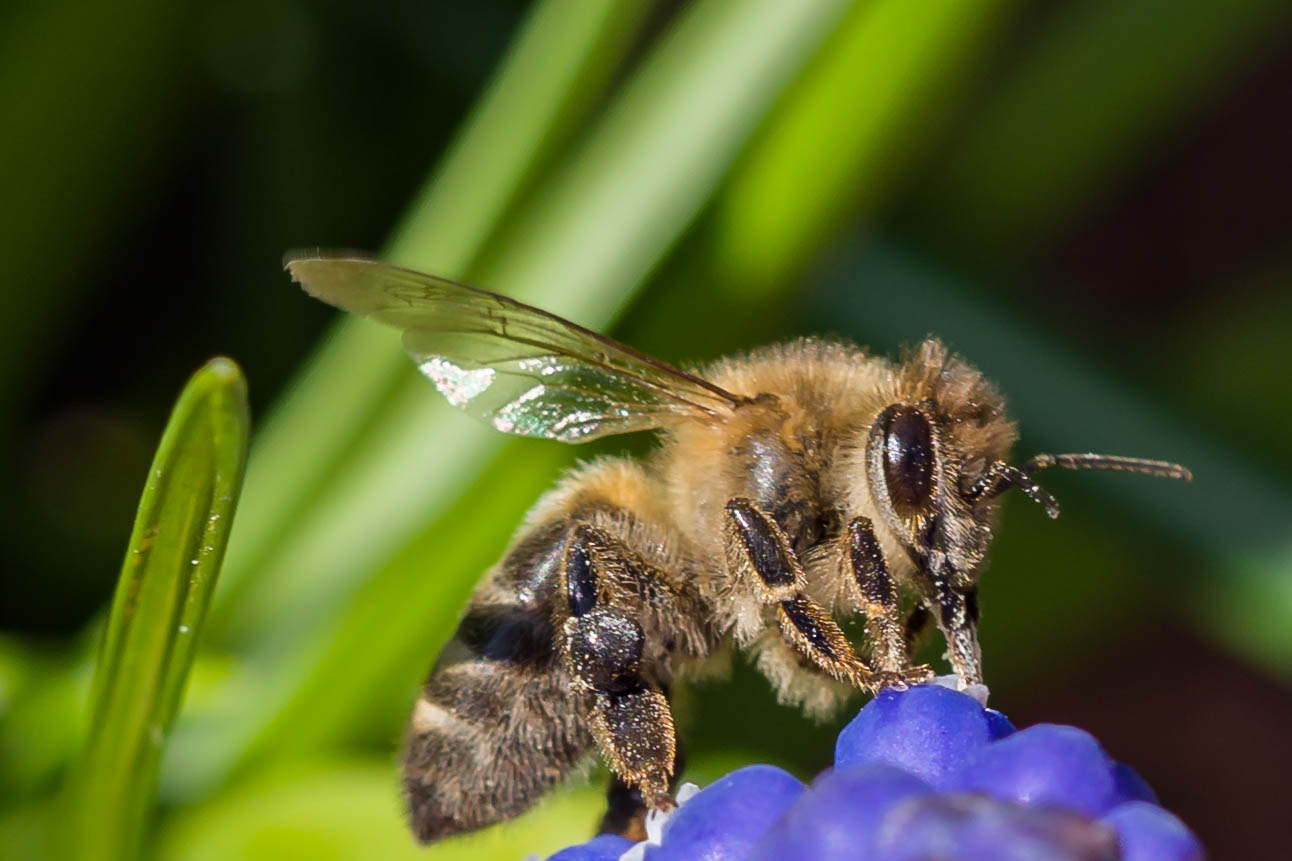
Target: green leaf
{"points": [[348, 811], [562, 61], [359, 673], [161, 599], [848, 132], [1097, 84]]}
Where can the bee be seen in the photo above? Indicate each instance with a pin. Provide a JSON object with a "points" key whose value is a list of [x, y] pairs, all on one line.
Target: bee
{"points": [[798, 483]]}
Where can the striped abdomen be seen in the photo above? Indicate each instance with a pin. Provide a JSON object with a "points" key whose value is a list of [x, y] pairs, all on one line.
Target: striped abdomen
{"points": [[496, 726]]}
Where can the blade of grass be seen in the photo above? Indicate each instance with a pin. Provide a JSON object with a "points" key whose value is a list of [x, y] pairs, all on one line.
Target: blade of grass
{"points": [[561, 63], [847, 133], [170, 570], [1098, 82], [834, 150], [587, 241], [383, 642]]}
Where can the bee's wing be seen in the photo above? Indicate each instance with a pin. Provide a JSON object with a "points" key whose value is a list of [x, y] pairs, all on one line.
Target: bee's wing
{"points": [[521, 369]]}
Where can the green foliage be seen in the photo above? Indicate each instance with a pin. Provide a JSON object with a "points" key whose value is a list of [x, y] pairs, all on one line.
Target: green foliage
{"points": [[1107, 78], [854, 124], [282, 815], [166, 583], [701, 157], [562, 63]]}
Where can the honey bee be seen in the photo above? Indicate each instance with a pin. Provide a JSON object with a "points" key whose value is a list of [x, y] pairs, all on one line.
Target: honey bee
{"points": [[800, 482]]}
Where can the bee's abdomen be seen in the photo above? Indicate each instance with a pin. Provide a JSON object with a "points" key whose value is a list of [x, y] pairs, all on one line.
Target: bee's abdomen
{"points": [[495, 727], [517, 635]]}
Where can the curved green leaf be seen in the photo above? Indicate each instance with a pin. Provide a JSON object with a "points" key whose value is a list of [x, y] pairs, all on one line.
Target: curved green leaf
{"points": [[165, 587]]}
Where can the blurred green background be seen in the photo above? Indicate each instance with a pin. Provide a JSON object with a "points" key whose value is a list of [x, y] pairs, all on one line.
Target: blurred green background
{"points": [[1087, 199]]}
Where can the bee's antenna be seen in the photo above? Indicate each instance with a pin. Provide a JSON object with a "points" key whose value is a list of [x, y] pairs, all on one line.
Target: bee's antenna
{"points": [[1001, 476], [1159, 468]]}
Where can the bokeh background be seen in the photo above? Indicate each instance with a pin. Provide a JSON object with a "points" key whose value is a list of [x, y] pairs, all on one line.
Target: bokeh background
{"points": [[1089, 200]]}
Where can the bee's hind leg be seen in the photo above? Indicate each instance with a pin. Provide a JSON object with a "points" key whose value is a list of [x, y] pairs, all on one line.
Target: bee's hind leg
{"points": [[603, 646], [625, 811], [755, 543], [625, 807]]}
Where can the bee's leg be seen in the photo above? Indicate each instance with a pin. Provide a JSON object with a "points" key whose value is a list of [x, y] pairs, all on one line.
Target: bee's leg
{"points": [[879, 598], [957, 615], [625, 807], [625, 811], [603, 646], [755, 543]]}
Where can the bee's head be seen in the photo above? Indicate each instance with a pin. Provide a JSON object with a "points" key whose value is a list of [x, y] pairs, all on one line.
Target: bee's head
{"points": [[936, 461], [924, 453]]}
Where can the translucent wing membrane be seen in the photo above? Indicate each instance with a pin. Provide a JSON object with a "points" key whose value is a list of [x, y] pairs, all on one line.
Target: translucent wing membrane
{"points": [[521, 369]]}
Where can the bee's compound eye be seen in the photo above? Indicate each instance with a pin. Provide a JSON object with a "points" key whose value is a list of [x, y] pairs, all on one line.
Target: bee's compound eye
{"points": [[908, 457]]}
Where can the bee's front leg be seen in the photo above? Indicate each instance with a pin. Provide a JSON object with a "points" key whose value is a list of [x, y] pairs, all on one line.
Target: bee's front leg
{"points": [[755, 543], [957, 615], [603, 646], [878, 600]]}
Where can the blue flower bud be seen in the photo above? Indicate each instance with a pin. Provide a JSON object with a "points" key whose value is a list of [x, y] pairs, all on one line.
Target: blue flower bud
{"points": [[1149, 833], [978, 828], [1131, 786], [840, 816], [925, 773], [1043, 764], [603, 847], [927, 731], [724, 820]]}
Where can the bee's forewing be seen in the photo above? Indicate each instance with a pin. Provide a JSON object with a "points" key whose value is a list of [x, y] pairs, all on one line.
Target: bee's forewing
{"points": [[521, 369]]}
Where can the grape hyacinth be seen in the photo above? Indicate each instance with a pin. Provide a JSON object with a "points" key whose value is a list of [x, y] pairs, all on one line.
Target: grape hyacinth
{"points": [[926, 772]]}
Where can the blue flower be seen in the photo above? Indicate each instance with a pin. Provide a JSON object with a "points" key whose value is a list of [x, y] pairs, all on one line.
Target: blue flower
{"points": [[842, 815], [1060, 766], [726, 819], [922, 773], [927, 731], [603, 847], [1149, 833]]}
